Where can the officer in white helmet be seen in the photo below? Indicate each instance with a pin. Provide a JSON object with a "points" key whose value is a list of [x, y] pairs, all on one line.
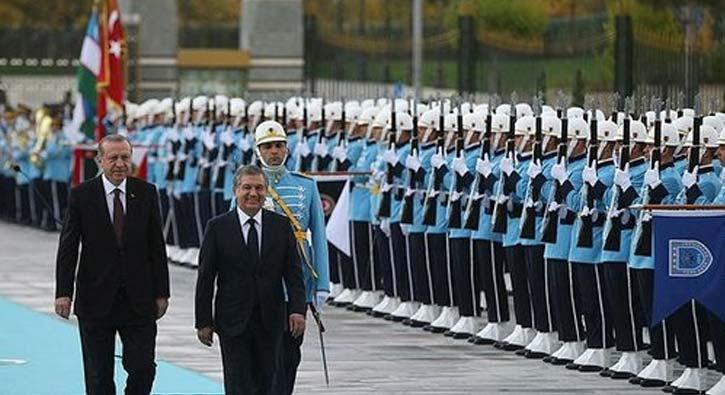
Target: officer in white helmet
{"points": [[297, 197]]}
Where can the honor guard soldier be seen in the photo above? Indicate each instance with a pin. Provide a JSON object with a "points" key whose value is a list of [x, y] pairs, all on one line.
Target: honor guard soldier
{"points": [[662, 183], [360, 214], [567, 174], [488, 247], [540, 271], [295, 196], [617, 234]]}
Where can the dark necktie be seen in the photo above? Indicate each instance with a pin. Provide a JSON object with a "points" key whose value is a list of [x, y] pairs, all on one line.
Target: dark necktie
{"points": [[119, 217], [253, 240]]}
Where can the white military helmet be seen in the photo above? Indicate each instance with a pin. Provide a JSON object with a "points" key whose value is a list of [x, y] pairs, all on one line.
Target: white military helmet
{"points": [[164, 106], [269, 131], [670, 136], [650, 116], [351, 103], [499, 122], [381, 118], [663, 115], [578, 128], [481, 108], [548, 110], [382, 101], [474, 122], [220, 102], [688, 112], [314, 111], [420, 108], [352, 114], [429, 119], [713, 121], [255, 109], [236, 107], [503, 109], [551, 125], [367, 103], [149, 106], [574, 112], [333, 111], [401, 105], [637, 132], [367, 116], [523, 110], [708, 137], [525, 126], [403, 121], [684, 124], [183, 105], [450, 123], [292, 110], [199, 103], [141, 111], [607, 131]]}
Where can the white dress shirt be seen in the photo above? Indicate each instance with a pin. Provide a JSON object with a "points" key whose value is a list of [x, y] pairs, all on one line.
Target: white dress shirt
{"points": [[108, 187], [243, 218]]}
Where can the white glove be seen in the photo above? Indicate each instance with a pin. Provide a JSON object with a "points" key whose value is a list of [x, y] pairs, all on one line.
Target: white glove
{"points": [[589, 175], [302, 148], [189, 133], [554, 206], [507, 165], [320, 300], [690, 179], [652, 176], [483, 166], [385, 227], [621, 178], [558, 172], [209, 141], [320, 149], [585, 211], [386, 187], [339, 153], [437, 160], [227, 137], [245, 145], [534, 169], [412, 162], [459, 165], [390, 157]]}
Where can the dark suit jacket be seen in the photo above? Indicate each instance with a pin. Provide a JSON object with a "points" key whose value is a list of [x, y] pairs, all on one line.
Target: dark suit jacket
{"points": [[243, 286], [139, 263]]}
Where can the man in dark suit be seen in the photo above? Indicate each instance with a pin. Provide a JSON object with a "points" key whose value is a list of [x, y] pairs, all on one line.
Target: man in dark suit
{"points": [[248, 252], [122, 279]]}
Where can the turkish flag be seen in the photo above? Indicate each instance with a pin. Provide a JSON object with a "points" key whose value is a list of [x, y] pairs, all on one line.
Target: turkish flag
{"points": [[116, 50]]}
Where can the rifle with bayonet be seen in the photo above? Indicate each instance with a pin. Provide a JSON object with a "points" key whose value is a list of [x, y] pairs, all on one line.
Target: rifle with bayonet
{"points": [[209, 148], [643, 232], [188, 146], [482, 185], [551, 215], [585, 238], [319, 162], [386, 200], [500, 210], [435, 181], [342, 141], [173, 144], [613, 224], [455, 195], [414, 177], [225, 152], [533, 189]]}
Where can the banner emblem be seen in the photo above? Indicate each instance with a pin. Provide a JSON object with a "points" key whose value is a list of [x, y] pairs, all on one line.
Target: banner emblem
{"points": [[688, 258]]}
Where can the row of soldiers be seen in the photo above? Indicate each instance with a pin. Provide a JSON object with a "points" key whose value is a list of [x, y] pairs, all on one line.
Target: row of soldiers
{"points": [[35, 166], [448, 197]]}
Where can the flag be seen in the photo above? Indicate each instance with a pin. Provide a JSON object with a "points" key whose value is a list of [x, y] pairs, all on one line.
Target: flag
{"points": [[689, 256], [100, 74], [89, 69], [337, 230]]}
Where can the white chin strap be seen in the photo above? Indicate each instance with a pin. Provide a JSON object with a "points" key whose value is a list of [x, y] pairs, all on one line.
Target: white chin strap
{"points": [[524, 141], [266, 165], [426, 134]]}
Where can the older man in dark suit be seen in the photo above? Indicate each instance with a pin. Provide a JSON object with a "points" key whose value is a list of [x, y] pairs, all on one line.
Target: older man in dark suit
{"points": [[248, 252], [121, 282]]}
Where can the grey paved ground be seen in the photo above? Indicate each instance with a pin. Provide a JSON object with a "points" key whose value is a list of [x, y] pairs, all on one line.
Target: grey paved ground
{"points": [[365, 354]]}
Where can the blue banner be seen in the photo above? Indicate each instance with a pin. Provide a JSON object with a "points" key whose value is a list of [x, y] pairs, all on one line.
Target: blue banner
{"points": [[689, 254]]}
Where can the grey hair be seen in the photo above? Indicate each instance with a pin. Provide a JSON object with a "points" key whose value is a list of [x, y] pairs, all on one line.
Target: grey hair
{"points": [[248, 170], [112, 138]]}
